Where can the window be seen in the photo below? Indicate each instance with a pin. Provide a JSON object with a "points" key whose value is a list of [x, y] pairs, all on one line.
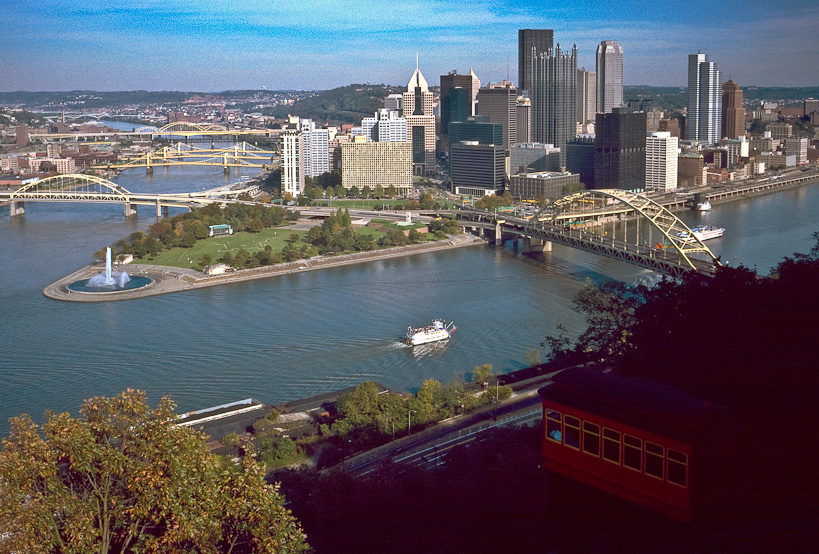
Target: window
{"points": [[611, 445], [591, 438], [554, 427], [654, 460], [632, 452], [572, 432], [677, 468]]}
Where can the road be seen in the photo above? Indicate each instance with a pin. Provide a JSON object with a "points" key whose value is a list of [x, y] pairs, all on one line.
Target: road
{"points": [[429, 448]]}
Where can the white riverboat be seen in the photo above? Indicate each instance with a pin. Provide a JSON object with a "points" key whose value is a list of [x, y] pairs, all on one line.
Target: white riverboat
{"points": [[438, 331], [702, 232]]}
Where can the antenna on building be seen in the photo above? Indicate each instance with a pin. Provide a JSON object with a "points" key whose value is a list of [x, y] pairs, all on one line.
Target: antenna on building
{"points": [[416, 61], [507, 68]]}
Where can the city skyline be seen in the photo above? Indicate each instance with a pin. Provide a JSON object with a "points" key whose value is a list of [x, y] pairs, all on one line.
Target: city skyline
{"points": [[204, 45]]}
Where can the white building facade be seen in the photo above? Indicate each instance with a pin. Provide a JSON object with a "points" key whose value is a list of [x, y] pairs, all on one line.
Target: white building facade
{"points": [[704, 122], [661, 161]]}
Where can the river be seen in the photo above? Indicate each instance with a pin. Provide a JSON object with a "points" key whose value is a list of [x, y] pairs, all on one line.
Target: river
{"points": [[297, 335]]}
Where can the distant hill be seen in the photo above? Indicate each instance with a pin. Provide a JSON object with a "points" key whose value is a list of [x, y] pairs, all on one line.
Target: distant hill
{"points": [[340, 105], [676, 98]]}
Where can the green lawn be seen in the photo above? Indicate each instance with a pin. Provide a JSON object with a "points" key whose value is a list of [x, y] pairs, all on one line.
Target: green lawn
{"points": [[276, 237]]}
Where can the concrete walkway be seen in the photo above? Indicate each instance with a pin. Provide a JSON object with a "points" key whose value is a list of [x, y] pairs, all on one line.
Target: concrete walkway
{"points": [[166, 279]]}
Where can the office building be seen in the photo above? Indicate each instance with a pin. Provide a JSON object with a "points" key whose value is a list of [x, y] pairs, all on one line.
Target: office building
{"points": [[499, 102], [369, 164], [809, 106], [704, 99], [478, 129], [541, 185], [733, 114], [394, 102], [799, 147], [586, 95], [661, 162], [477, 169], [305, 153], [580, 158], [533, 157], [384, 126], [420, 124], [541, 40], [524, 120], [554, 98], [609, 76], [620, 150], [456, 102]]}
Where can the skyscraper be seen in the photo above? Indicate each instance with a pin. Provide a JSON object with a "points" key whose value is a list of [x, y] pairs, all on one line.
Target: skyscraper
{"points": [[586, 95], [456, 105], [733, 114], [554, 98], [704, 113], [609, 76], [620, 150], [542, 40], [305, 153], [420, 123], [499, 102], [661, 162]]}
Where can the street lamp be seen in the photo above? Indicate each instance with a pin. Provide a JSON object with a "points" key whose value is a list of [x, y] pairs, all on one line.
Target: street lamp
{"points": [[409, 421]]}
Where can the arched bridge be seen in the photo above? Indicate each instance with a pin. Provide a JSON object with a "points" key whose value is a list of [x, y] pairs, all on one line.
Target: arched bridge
{"points": [[578, 220], [90, 188]]}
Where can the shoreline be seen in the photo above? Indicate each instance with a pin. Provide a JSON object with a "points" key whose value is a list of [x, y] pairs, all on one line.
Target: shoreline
{"points": [[167, 279]]}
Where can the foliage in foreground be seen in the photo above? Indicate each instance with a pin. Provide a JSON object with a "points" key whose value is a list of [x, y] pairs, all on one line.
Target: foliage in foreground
{"points": [[733, 338], [124, 478]]}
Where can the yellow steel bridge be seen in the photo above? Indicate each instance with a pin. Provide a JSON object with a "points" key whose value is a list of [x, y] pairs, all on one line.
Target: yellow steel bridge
{"points": [[90, 188], [237, 156]]}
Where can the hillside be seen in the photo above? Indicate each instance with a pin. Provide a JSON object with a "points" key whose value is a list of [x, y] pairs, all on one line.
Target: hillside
{"points": [[340, 105]]}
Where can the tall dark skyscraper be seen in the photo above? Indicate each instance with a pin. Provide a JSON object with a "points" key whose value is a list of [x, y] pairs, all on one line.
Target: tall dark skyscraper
{"points": [[733, 113], [554, 98], [620, 150], [454, 105], [542, 40]]}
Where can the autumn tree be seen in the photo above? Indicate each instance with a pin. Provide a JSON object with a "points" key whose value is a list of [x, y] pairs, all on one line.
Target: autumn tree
{"points": [[125, 478]]}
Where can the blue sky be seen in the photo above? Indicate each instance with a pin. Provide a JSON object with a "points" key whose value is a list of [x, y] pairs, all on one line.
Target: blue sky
{"points": [[215, 45]]}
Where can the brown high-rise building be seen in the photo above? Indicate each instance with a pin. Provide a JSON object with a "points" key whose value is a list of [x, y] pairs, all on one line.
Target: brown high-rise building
{"points": [[733, 114], [500, 103], [542, 40]]}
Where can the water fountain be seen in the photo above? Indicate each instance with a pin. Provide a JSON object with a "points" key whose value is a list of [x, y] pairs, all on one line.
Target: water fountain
{"points": [[109, 279]]}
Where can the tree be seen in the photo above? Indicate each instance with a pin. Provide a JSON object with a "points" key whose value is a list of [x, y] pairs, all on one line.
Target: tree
{"points": [[125, 478], [609, 313], [482, 373]]}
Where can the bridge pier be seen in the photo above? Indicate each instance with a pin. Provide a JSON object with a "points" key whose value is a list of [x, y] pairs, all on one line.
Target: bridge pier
{"points": [[227, 170], [535, 245], [149, 170], [16, 207], [161, 210], [130, 209]]}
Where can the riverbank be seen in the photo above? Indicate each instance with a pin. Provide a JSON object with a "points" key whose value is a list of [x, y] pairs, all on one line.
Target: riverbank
{"points": [[166, 280]]}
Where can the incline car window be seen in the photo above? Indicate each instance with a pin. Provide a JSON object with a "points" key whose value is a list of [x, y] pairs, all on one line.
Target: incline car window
{"points": [[554, 427], [591, 438], [571, 431], [611, 445]]}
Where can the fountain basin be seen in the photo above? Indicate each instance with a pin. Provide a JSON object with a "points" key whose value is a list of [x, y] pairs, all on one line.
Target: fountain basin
{"points": [[135, 282]]}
